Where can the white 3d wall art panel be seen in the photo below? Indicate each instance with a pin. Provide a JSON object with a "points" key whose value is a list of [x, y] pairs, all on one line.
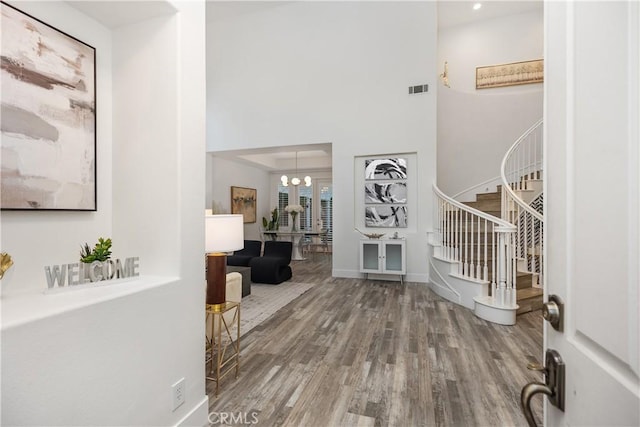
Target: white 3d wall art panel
{"points": [[386, 216], [385, 168], [385, 192], [392, 192]]}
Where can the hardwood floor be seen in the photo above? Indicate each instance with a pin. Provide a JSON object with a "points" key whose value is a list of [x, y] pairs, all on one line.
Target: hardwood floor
{"points": [[353, 352]]}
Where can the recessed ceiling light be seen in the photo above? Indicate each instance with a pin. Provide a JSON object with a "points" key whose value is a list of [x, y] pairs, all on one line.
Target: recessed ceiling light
{"points": [[477, 6]]}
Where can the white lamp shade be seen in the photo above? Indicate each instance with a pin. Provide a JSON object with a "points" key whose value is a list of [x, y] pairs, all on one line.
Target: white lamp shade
{"points": [[224, 233]]}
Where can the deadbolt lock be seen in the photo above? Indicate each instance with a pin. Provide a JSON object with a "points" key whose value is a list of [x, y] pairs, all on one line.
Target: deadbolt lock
{"points": [[553, 312]]}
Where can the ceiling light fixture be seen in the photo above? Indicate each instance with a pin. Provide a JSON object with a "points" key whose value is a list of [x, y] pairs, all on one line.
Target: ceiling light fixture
{"points": [[295, 180], [477, 6]]}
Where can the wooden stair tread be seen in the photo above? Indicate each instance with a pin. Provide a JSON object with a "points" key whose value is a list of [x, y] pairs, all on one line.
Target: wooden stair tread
{"points": [[531, 292], [496, 195]]}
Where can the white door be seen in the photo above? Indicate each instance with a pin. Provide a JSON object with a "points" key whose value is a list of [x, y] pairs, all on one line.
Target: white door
{"points": [[592, 216]]}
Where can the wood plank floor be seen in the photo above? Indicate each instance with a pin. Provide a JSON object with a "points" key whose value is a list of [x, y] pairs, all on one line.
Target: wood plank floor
{"points": [[354, 352]]}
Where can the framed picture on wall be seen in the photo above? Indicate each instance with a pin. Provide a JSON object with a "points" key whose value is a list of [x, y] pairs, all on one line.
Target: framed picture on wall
{"points": [[48, 99], [385, 192], [388, 216], [391, 168], [516, 73], [243, 201]]}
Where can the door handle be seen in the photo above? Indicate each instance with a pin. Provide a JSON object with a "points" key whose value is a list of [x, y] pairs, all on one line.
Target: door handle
{"points": [[553, 312], [553, 386], [528, 392]]}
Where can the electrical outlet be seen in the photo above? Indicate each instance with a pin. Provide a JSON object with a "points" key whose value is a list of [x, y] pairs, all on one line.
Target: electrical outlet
{"points": [[177, 391]]}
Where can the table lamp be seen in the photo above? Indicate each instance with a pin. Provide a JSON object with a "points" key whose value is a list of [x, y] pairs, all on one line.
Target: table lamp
{"points": [[223, 233]]}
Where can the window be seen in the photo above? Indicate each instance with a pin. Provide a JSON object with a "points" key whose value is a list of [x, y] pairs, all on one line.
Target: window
{"points": [[283, 201], [305, 195], [326, 210]]}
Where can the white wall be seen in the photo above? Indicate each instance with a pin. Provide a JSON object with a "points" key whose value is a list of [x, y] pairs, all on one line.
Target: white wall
{"points": [[477, 127], [108, 355], [289, 73], [226, 173], [35, 239]]}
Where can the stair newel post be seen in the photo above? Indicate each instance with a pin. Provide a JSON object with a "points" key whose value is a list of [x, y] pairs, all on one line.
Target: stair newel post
{"points": [[506, 272], [514, 271]]}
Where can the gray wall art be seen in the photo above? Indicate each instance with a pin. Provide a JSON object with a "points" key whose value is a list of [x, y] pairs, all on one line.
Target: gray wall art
{"points": [[391, 192], [385, 192], [386, 216], [48, 107], [385, 169]]}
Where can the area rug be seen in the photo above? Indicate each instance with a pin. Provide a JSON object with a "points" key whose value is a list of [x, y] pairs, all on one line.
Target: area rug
{"points": [[266, 300]]}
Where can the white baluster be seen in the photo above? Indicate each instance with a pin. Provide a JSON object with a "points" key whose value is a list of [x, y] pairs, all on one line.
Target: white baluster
{"points": [[478, 271], [485, 271], [466, 244], [471, 264]]}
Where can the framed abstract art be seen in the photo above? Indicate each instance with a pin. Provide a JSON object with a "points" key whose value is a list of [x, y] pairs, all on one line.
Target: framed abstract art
{"points": [[48, 132], [385, 192], [243, 201]]}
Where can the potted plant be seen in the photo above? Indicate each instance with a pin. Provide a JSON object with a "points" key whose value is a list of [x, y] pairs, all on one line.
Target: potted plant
{"points": [[101, 251], [272, 225]]}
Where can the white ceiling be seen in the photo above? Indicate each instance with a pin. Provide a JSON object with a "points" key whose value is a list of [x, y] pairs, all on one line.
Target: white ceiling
{"points": [[115, 14], [459, 12], [451, 13], [306, 157]]}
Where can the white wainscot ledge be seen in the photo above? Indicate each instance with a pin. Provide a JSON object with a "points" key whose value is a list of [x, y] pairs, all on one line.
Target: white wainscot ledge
{"points": [[20, 309]]}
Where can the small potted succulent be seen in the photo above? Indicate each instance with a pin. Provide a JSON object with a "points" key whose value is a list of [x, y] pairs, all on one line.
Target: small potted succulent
{"points": [[101, 251]]}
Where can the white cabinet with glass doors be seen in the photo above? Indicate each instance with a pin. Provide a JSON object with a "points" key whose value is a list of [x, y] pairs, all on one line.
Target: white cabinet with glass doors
{"points": [[384, 256]]}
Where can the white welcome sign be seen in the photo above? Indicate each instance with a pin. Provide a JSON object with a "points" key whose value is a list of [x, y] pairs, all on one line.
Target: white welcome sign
{"points": [[80, 273]]}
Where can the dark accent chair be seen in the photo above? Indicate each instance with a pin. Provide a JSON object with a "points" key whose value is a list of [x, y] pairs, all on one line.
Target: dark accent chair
{"points": [[273, 266], [243, 257]]}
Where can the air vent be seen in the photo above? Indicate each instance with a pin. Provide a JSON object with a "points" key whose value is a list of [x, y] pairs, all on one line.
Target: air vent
{"points": [[418, 89]]}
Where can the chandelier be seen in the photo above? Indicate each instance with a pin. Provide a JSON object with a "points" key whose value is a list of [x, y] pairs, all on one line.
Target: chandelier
{"points": [[295, 180]]}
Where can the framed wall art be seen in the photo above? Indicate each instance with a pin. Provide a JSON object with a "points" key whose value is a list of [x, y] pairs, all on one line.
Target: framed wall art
{"points": [[243, 201], [388, 216], [48, 101], [391, 192], [385, 192], [391, 168], [516, 73]]}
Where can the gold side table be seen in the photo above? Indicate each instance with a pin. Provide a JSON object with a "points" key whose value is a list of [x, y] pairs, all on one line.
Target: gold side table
{"points": [[223, 349]]}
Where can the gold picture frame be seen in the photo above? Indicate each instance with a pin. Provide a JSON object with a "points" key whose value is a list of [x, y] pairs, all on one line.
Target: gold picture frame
{"points": [[243, 201], [515, 73]]}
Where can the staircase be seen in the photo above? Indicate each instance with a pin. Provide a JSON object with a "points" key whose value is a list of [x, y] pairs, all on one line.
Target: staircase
{"points": [[487, 254], [529, 293]]}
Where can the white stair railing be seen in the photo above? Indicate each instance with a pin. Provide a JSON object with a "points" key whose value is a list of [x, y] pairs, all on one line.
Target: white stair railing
{"points": [[482, 245], [522, 172]]}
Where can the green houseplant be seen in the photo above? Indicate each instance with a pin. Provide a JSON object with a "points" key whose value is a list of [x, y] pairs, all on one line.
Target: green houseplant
{"points": [[272, 225], [101, 251]]}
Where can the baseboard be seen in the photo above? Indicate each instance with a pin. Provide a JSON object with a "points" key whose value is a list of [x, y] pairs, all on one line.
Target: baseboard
{"points": [[349, 274], [198, 416], [354, 274]]}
